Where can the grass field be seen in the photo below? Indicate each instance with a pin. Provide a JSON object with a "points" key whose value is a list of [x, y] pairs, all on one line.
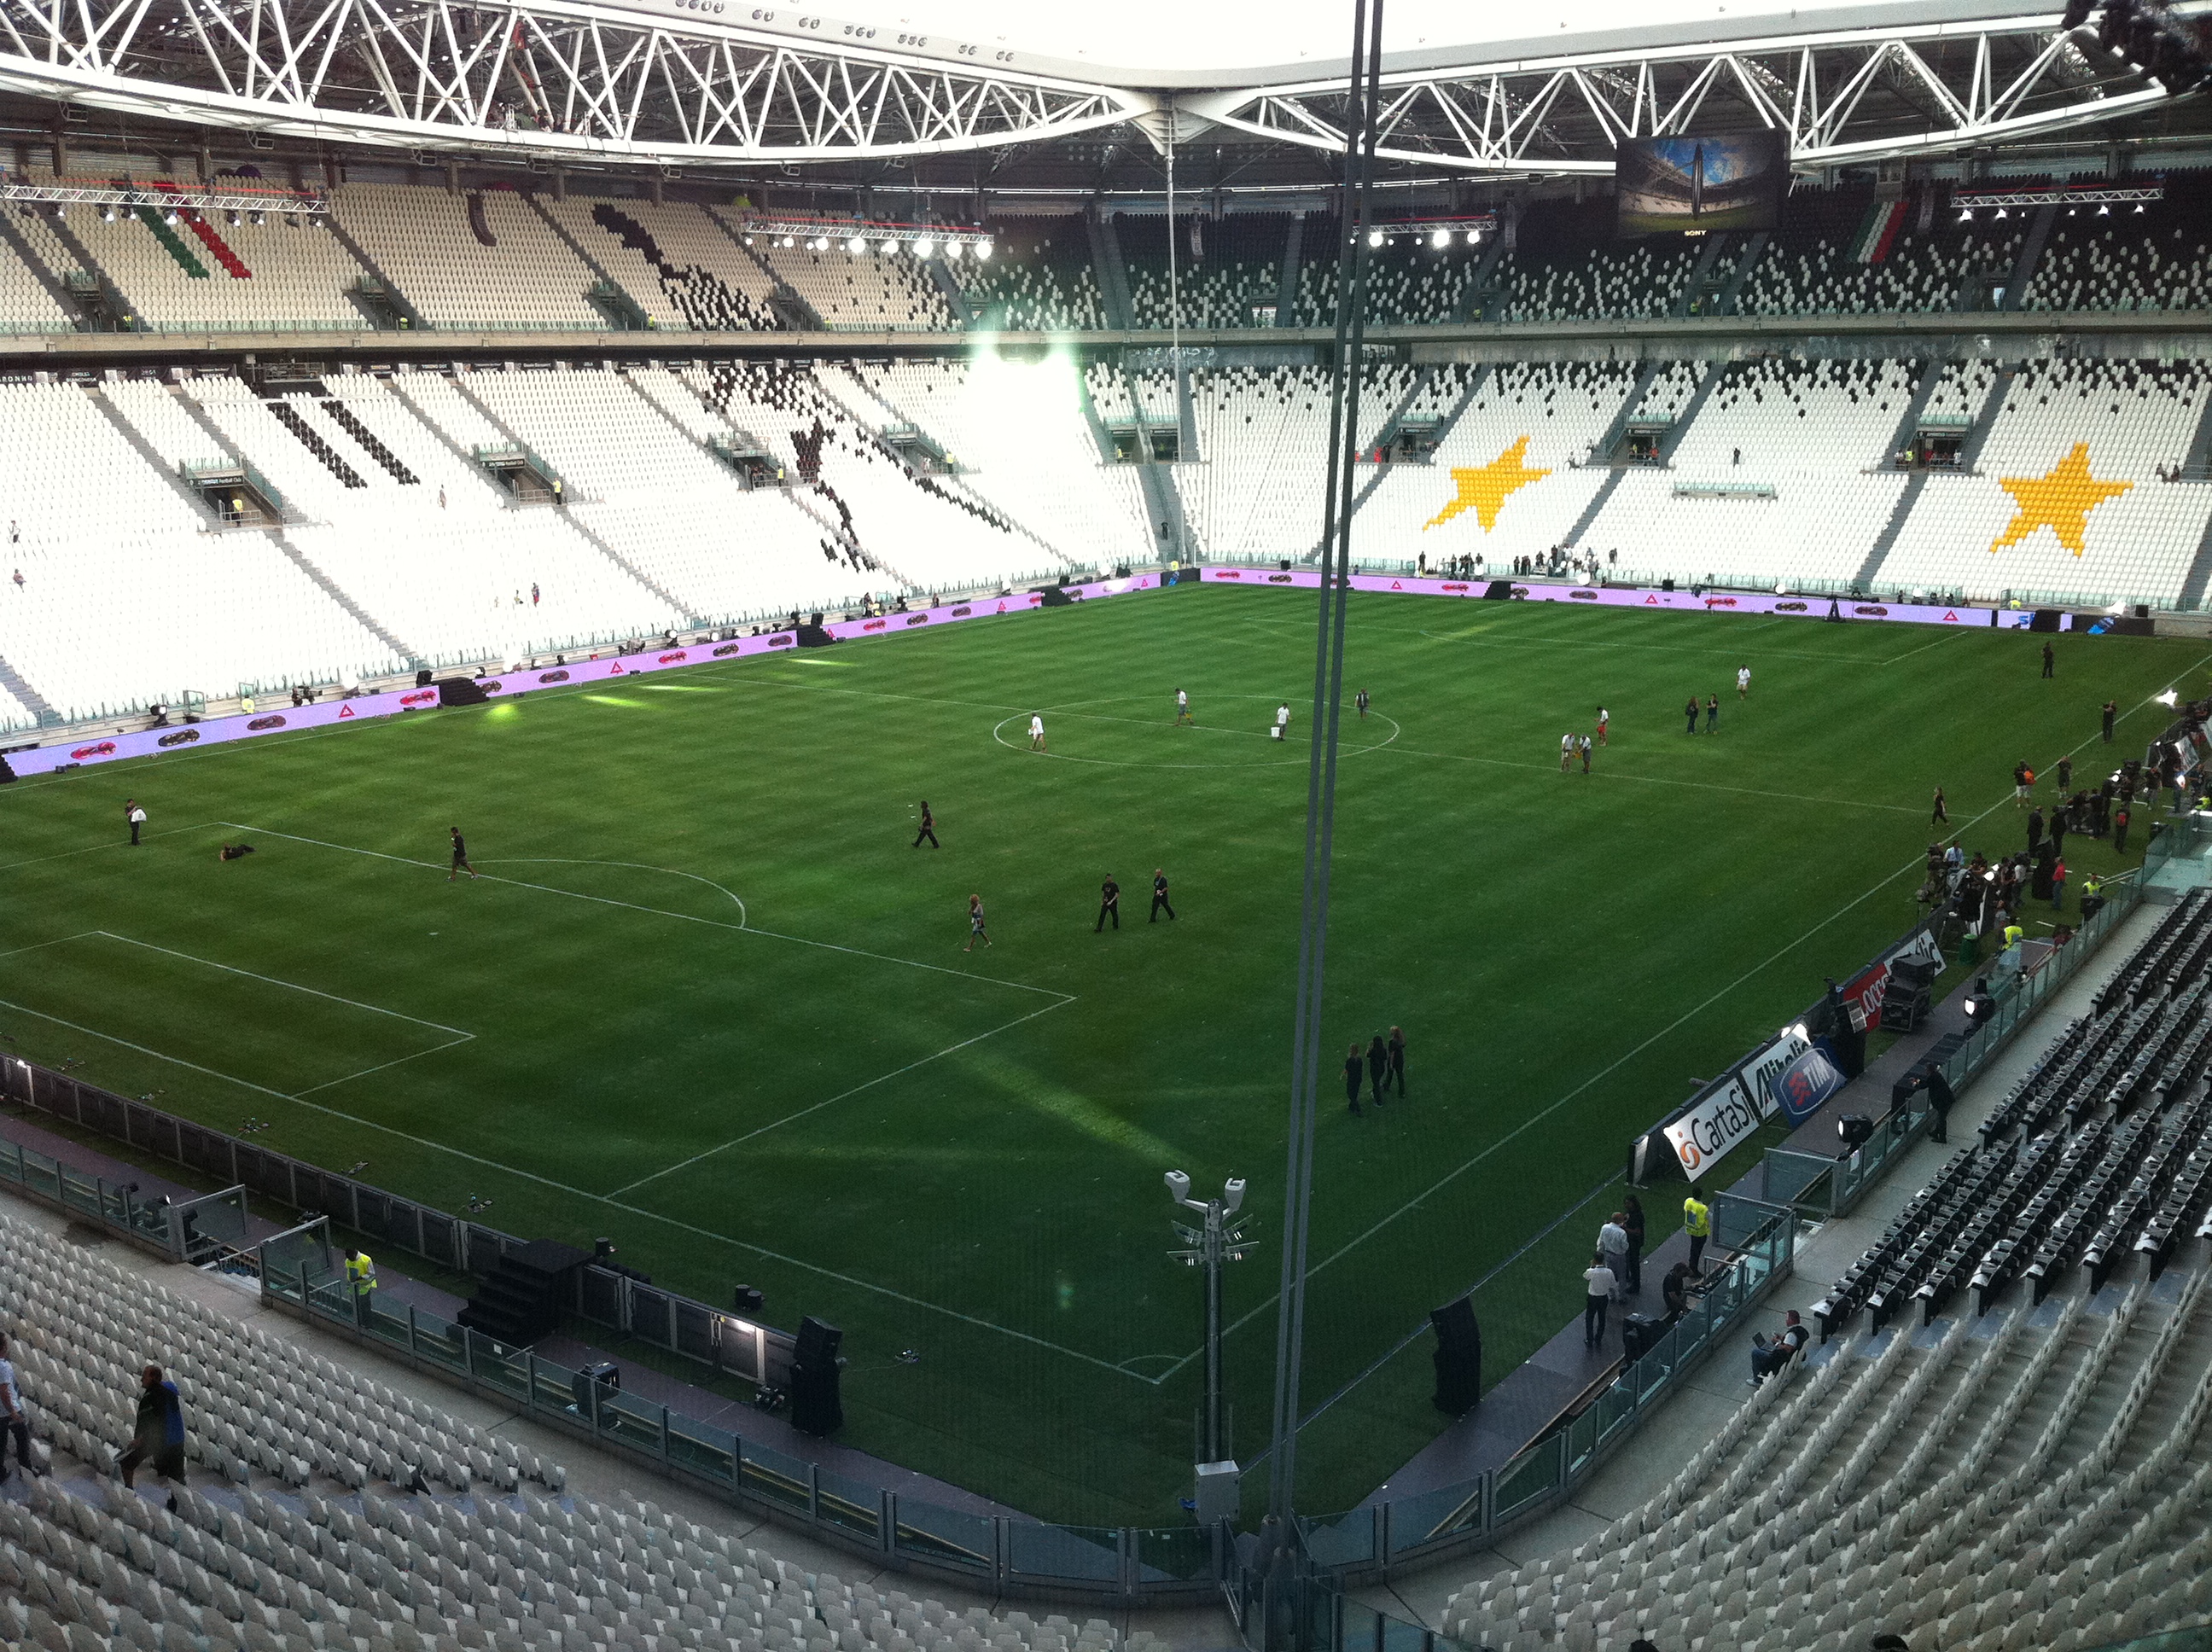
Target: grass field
{"points": [[708, 1000]]}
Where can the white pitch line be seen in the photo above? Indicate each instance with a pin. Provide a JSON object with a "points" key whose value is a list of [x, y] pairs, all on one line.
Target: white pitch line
{"points": [[1941, 636], [578, 1193], [1528, 1124], [883, 1077], [635, 866], [294, 986], [38, 946], [662, 912], [332, 1083], [118, 843], [1661, 779]]}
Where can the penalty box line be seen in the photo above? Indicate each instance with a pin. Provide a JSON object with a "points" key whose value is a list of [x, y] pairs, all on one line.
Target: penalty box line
{"points": [[1534, 1119], [664, 912]]}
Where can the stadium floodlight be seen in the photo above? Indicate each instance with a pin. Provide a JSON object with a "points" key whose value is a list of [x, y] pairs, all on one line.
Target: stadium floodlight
{"points": [[925, 247], [982, 249], [233, 219], [887, 247], [857, 246], [1220, 1238], [170, 216], [2104, 211], [1375, 238], [1440, 238], [107, 215], [2002, 213], [1474, 238], [789, 242], [1966, 214], [952, 249]]}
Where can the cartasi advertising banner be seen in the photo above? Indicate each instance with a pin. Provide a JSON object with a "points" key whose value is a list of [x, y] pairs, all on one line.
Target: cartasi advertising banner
{"points": [[1723, 1118]]}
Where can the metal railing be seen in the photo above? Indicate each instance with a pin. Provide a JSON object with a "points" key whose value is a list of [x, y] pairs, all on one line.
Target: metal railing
{"points": [[1819, 1188], [1376, 1539]]}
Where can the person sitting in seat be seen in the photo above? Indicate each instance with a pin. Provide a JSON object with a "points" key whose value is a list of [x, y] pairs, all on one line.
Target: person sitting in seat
{"points": [[1768, 1358]]}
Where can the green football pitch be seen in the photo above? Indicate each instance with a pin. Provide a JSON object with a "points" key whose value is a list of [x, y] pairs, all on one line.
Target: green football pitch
{"points": [[706, 1000]]}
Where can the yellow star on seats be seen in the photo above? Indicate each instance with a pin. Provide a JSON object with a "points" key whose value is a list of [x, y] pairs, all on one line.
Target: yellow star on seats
{"points": [[1484, 488], [2060, 501]]}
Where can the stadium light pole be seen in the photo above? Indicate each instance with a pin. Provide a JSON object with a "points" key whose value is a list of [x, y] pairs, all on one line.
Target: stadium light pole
{"points": [[1218, 1238], [1351, 261]]}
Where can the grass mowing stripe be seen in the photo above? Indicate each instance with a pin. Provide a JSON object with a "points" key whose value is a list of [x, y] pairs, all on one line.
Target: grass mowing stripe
{"points": [[313, 991], [1661, 779], [1529, 1123], [100, 848], [804, 1112], [663, 912]]}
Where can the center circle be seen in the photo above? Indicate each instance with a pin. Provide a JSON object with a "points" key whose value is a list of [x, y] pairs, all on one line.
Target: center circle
{"points": [[1096, 734]]}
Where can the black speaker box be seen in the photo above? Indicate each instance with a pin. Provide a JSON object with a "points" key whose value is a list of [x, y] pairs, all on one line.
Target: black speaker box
{"points": [[815, 1407], [461, 691], [422, 677], [749, 1301], [818, 1343], [1458, 1357]]}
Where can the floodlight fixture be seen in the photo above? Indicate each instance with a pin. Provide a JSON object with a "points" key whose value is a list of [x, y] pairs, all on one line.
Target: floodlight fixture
{"points": [[925, 248], [1375, 238], [1440, 238], [857, 246]]}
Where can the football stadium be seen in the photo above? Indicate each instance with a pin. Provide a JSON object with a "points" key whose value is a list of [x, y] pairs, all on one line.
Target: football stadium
{"points": [[1369, 828]]}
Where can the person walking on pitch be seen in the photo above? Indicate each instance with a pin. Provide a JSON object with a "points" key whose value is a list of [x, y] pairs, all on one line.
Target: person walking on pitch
{"points": [[1160, 897], [1282, 719], [135, 818], [2111, 710], [928, 828], [1182, 706], [1109, 904], [1743, 682], [1583, 746], [1359, 699], [1398, 1061], [1378, 1067], [2050, 660], [976, 924], [1712, 713], [1604, 717], [1939, 818], [1354, 1070], [460, 857], [1566, 752], [1036, 731], [1690, 711]]}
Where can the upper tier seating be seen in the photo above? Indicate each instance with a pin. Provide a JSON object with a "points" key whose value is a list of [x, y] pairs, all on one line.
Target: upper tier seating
{"points": [[1814, 264], [1232, 280], [424, 241], [2125, 258], [1038, 278], [331, 1522], [867, 290]]}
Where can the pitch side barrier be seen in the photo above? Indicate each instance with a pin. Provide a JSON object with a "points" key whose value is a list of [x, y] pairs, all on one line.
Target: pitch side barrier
{"points": [[1963, 616], [507, 685]]}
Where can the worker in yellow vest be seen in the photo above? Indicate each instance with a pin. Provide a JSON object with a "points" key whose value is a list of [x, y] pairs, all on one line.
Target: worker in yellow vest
{"points": [[1698, 1223], [361, 1277]]}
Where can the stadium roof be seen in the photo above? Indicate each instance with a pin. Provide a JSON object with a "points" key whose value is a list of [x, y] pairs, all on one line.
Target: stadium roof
{"points": [[1171, 45]]}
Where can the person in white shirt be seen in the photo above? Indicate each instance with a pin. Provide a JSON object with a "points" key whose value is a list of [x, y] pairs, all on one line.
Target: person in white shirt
{"points": [[1566, 752], [1282, 719], [14, 1420], [1612, 1246], [1603, 718], [137, 817], [1182, 706], [1597, 1284], [1036, 731], [1743, 682]]}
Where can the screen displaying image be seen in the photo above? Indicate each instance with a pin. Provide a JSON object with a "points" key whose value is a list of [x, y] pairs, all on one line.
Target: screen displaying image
{"points": [[1727, 180]]}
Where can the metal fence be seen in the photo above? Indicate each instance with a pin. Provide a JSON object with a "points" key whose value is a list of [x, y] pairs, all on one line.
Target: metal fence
{"points": [[1819, 1188], [1002, 1552], [722, 1341]]}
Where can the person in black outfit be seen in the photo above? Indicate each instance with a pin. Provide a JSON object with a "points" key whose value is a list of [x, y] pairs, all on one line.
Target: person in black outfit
{"points": [[1939, 1103], [1160, 895], [460, 857], [1939, 817], [1354, 1069], [2034, 829], [2049, 660], [1398, 1061], [2111, 710], [1109, 904], [1674, 1291], [1690, 711], [928, 828], [2058, 827], [1378, 1065]]}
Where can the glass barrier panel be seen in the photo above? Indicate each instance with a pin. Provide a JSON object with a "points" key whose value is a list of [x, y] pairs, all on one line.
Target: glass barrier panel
{"points": [[1529, 1476], [1430, 1516], [1090, 1554], [12, 1160], [1395, 1635], [1582, 1440], [80, 1192], [1616, 1407], [635, 1422], [850, 1505], [387, 1323], [441, 1341], [1650, 1373], [552, 1387], [1792, 1178], [771, 1475], [702, 1449], [1173, 1554], [1345, 1539], [945, 1537]]}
